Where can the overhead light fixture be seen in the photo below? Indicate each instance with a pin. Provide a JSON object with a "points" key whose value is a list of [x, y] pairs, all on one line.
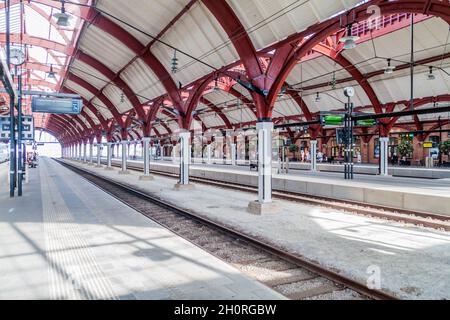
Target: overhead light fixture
{"points": [[349, 40], [430, 75], [318, 97], [333, 81], [51, 73], [174, 62], [62, 17], [389, 69]]}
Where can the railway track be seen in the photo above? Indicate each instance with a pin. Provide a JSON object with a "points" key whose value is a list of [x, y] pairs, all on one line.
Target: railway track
{"points": [[417, 218], [288, 274]]}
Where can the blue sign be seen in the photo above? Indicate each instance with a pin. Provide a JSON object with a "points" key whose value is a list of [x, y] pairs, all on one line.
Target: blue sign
{"points": [[56, 105]]}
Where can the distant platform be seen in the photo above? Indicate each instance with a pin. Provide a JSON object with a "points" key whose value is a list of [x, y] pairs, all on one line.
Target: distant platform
{"points": [[67, 239], [425, 195]]}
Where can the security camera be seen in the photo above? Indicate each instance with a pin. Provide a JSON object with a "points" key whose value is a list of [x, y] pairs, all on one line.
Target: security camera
{"points": [[349, 92]]}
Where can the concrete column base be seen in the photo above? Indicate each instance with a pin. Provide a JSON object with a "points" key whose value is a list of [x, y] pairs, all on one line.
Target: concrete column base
{"points": [[146, 178], [124, 172], [109, 168], [184, 187], [254, 207]]}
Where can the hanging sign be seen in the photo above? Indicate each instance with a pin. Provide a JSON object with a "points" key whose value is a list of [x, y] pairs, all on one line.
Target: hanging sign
{"points": [[56, 105]]}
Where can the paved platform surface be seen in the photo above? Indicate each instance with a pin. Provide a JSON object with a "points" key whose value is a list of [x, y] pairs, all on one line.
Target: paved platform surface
{"points": [[66, 239], [411, 262]]}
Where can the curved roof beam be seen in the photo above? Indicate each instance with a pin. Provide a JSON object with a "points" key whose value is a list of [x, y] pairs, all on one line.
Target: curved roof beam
{"points": [[217, 110], [114, 78], [39, 42], [94, 17], [354, 72], [95, 111], [70, 126], [237, 34], [93, 90], [322, 30]]}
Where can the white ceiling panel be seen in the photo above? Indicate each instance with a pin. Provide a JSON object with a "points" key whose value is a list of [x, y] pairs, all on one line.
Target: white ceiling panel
{"points": [[91, 115], [142, 81], [79, 89], [104, 111], [118, 98], [105, 48], [89, 74], [429, 41], [148, 16], [268, 21], [199, 34]]}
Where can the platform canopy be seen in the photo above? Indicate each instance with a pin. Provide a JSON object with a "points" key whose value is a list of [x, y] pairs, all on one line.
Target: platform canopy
{"points": [[237, 61]]}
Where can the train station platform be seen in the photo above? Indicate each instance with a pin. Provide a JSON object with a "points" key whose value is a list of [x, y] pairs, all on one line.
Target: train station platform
{"points": [[411, 262], [422, 195], [67, 239]]}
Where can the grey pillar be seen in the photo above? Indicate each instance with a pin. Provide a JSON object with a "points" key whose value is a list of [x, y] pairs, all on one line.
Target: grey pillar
{"points": [[208, 154], [108, 156], [91, 153], [146, 155], [264, 203], [80, 152], [384, 149], [99, 154], [313, 155], [185, 150], [124, 158], [264, 161], [84, 152], [233, 154]]}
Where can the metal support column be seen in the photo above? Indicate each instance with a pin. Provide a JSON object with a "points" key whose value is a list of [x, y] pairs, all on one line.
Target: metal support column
{"points": [[349, 149], [19, 137], [384, 150]]}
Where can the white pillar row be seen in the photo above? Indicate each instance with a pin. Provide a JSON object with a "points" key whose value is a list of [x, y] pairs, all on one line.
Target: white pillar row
{"points": [[84, 152], [124, 157], [233, 154], [264, 130], [384, 149], [80, 152], [99, 154], [313, 155]]}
